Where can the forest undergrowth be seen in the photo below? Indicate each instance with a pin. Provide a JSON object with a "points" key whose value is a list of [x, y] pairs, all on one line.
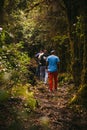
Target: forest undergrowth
{"points": [[52, 111]]}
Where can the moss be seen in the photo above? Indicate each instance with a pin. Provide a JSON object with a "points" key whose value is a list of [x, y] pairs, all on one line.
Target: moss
{"points": [[81, 97], [4, 95], [65, 78], [25, 94]]}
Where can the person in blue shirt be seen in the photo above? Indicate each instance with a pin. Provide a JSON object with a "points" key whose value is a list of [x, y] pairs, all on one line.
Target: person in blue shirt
{"points": [[52, 63]]}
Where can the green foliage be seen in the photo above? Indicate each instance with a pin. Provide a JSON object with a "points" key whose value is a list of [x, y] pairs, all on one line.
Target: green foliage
{"points": [[80, 98], [22, 92], [79, 27], [60, 39], [4, 96], [19, 90], [13, 61], [82, 92], [64, 78], [30, 103]]}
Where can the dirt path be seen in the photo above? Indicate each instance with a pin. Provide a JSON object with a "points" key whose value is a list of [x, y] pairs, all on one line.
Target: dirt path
{"points": [[52, 112]]}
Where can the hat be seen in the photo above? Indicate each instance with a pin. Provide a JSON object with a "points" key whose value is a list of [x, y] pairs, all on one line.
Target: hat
{"points": [[52, 51]]}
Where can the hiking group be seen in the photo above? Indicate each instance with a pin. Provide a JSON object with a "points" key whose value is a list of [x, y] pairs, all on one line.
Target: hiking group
{"points": [[47, 70]]}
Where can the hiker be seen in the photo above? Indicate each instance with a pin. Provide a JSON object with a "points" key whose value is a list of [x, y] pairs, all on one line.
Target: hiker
{"points": [[37, 55], [52, 65], [42, 58], [45, 55]]}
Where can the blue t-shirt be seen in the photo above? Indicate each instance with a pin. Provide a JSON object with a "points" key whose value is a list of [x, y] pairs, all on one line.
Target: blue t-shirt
{"points": [[53, 63]]}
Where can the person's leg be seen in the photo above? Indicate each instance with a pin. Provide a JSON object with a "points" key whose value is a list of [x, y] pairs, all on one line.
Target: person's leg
{"points": [[50, 76], [42, 73], [46, 77], [39, 71], [55, 80]]}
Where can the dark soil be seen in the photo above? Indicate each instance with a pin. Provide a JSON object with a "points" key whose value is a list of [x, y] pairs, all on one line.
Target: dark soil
{"points": [[54, 107], [52, 112]]}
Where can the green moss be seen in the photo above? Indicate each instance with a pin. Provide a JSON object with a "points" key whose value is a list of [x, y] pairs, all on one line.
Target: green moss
{"points": [[81, 97], [4, 95], [64, 78], [27, 96]]}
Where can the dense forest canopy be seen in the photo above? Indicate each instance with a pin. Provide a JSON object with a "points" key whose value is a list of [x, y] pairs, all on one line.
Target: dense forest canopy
{"points": [[26, 26]]}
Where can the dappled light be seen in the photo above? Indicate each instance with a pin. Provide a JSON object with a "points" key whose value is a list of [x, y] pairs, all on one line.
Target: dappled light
{"points": [[43, 65]]}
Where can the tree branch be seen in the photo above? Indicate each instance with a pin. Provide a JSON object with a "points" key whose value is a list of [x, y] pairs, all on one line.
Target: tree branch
{"points": [[35, 5]]}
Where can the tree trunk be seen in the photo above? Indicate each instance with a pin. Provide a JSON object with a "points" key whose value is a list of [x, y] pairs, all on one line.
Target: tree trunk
{"points": [[1, 11], [77, 20], [74, 13], [84, 72]]}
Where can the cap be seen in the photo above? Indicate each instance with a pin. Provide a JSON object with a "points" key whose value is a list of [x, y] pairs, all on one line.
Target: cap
{"points": [[52, 51]]}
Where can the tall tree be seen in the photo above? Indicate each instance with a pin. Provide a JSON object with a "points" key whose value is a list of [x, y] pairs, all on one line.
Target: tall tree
{"points": [[77, 21], [1, 10]]}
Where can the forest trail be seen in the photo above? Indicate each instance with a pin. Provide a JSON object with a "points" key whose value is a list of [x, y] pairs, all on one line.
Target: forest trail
{"points": [[53, 112]]}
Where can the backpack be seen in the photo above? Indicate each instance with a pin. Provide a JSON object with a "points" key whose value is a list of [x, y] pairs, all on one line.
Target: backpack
{"points": [[43, 60]]}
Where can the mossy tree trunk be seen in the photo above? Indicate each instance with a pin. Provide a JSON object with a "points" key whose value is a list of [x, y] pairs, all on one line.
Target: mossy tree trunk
{"points": [[84, 74], [75, 10], [77, 19]]}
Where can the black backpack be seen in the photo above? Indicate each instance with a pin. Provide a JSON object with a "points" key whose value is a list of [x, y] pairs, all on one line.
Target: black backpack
{"points": [[43, 60]]}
